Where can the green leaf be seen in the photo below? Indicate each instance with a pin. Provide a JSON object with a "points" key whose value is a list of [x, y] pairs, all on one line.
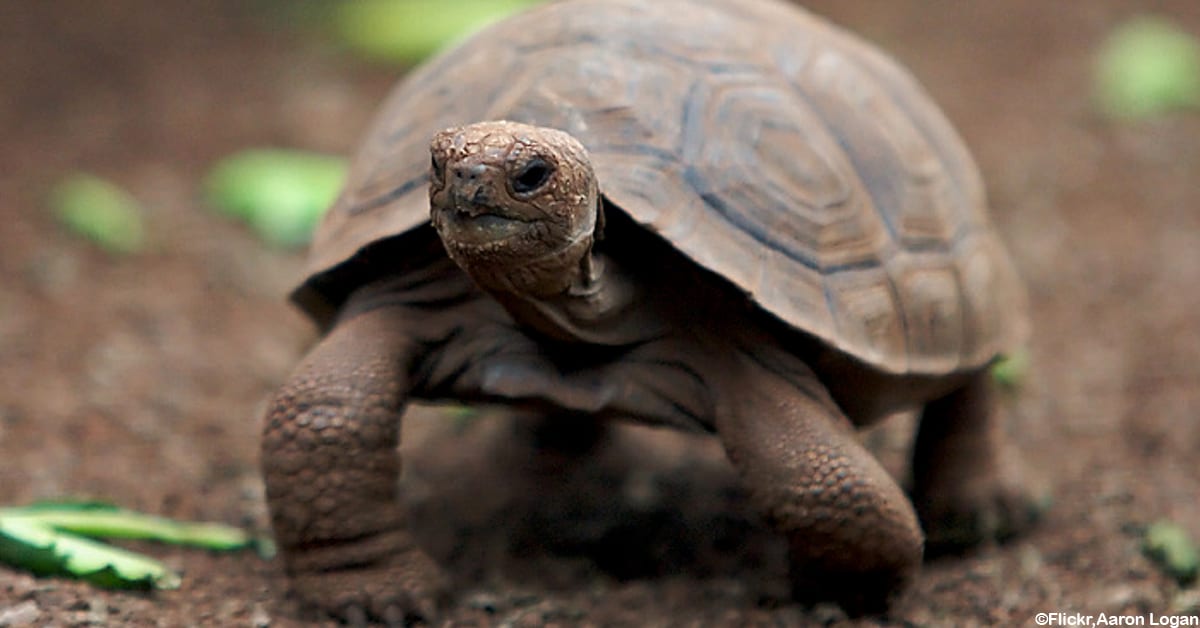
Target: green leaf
{"points": [[47, 538], [1010, 370], [100, 211], [1147, 66], [1168, 545], [27, 543], [407, 31], [107, 521], [282, 194]]}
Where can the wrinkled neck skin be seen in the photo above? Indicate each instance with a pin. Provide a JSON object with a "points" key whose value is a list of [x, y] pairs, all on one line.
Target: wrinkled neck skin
{"points": [[574, 294], [589, 311]]}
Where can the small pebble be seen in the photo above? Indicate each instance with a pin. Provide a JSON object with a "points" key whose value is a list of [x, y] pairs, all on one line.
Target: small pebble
{"points": [[483, 601], [24, 614], [259, 617], [1186, 603], [97, 611]]}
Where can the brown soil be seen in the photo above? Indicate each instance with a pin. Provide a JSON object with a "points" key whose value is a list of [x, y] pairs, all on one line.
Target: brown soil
{"points": [[141, 380]]}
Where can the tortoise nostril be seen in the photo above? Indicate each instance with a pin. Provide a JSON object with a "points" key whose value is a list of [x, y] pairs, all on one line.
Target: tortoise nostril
{"points": [[469, 172]]}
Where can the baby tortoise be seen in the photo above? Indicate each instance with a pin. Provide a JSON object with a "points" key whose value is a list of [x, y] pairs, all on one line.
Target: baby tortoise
{"points": [[717, 215]]}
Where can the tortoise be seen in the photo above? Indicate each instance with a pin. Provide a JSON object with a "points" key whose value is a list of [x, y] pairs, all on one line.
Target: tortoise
{"points": [[729, 216]]}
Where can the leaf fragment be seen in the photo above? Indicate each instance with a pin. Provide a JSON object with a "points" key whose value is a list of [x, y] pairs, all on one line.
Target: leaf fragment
{"points": [[282, 194], [27, 543], [1147, 66], [1168, 545], [50, 538], [102, 520], [1010, 370], [407, 31], [100, 211]]}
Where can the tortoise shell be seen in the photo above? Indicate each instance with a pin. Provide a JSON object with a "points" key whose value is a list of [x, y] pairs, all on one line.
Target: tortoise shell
{"points": [[769, 146]]}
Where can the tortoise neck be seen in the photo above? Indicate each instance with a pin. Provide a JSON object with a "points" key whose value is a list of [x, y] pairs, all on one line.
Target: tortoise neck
{"points": [[594, 309], [543, 276], [539, 264]]}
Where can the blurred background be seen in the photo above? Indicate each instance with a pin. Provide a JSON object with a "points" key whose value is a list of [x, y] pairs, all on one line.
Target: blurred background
{"points": [[163, 161]]}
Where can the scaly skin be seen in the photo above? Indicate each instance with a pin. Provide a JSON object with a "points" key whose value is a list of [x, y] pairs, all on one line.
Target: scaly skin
{"points": [[853, 536], [331, 470]]}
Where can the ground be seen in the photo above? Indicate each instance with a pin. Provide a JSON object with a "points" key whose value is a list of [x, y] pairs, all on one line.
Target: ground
{"points": [[142, 379]]}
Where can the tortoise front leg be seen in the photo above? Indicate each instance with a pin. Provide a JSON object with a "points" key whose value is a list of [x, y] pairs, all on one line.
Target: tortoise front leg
{"points": [[332, 470], [852, 534]]}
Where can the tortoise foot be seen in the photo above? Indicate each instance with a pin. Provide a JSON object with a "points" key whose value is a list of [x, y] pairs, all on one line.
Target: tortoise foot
{"points": [[964, 516], [857, 593], [398, 590]]}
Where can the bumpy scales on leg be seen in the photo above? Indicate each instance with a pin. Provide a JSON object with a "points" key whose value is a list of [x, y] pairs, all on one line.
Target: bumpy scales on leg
{"points": [[331, 470], [852, 534]]}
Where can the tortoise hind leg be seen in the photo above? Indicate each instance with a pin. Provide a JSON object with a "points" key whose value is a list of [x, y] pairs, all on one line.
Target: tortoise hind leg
{"points": [[561, 436], [852, 534], [967, 484]]}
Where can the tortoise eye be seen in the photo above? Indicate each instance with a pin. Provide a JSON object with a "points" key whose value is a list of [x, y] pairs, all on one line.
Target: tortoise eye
{"points": [[533, 176]]}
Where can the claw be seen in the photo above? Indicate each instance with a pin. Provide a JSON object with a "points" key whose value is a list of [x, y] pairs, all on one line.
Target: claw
{"points": [[426, 607], [393, 616], [399, 589], [355, 615]]}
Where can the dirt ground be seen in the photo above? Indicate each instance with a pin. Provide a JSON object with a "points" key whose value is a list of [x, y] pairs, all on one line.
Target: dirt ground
{"points": [[141, 380]]}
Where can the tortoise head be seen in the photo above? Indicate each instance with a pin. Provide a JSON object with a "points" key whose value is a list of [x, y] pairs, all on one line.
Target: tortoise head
{"points": [[515, 205]]}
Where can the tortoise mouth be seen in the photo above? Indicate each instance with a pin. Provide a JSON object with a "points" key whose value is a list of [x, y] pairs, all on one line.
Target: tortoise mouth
{"points": [[479, 224]]}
